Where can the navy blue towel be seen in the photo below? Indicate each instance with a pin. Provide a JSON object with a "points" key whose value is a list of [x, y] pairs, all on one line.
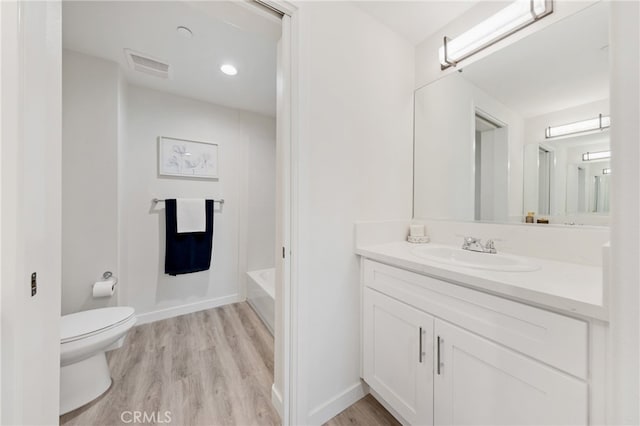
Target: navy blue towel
{"points": [[188, 252]]}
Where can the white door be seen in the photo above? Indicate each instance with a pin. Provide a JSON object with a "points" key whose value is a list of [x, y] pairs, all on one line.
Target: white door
{"points": [[398, 356], [479, 382], [282, 393]]}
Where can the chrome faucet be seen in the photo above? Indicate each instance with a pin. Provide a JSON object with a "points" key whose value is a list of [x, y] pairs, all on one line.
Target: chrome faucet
{"points": [[475, 244]]}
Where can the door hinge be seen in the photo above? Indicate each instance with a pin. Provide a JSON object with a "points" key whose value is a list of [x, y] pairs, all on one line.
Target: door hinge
{"points": [[283, 252]]}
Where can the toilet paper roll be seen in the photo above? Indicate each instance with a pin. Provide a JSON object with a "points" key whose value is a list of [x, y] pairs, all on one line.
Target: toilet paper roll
{"points": [[104, 288]]}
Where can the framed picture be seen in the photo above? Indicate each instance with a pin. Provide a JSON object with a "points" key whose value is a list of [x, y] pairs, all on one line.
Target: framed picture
{"points": [[185, 158]]}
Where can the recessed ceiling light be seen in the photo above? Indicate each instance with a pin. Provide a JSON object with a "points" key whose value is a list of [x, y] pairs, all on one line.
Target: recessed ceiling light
{"points": [[229, 69], [184, 32]]}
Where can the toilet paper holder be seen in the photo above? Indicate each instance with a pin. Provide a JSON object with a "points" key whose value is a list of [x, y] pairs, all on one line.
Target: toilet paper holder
{"points": [[105, 276], [105, 287]]}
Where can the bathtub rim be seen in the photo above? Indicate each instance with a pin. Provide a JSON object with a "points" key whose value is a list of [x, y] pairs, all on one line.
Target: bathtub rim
{"points": [[256, 278]]}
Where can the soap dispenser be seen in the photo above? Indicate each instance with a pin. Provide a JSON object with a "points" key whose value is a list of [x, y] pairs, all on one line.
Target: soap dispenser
{"points": [[529, 218]]}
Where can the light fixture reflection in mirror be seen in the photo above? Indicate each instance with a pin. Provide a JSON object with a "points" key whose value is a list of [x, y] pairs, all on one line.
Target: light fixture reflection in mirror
{"points": [[591, 156], [579, 127], [517, 89]]}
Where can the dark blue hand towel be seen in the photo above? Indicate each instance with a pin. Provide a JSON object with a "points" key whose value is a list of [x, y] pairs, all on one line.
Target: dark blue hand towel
{"points": [[188, 252]]}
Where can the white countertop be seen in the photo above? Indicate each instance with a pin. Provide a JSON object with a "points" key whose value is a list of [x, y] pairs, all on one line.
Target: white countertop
{"points": [[565, 287]]}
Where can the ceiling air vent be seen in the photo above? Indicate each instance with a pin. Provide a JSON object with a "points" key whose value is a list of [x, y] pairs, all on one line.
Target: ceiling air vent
{"points": [[146, 64]]}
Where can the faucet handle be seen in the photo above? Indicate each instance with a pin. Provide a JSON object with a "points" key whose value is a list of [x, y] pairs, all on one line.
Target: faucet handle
{"points": [[468, 241], [490, 247]]}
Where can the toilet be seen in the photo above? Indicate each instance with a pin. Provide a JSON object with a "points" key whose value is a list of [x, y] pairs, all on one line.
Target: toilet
{"points": [[85, 337]]}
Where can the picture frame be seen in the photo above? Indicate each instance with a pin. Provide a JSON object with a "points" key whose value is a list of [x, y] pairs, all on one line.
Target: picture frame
{"points": [[187, 158]]}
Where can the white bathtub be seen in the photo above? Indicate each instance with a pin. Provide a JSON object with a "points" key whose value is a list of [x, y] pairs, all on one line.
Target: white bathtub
{"points": [[261, 294]]}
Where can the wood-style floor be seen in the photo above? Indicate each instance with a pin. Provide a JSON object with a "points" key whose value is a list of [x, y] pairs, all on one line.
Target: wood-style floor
{"points": [[366, 412], [212, 367]]}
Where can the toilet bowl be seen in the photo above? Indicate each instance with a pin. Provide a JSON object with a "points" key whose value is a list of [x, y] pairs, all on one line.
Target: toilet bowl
{"points": [[85, 337]]}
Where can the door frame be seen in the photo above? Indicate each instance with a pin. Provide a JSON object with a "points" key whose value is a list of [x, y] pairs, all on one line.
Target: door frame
{"points": [[9, 72], [30, 226], [286, 399]]}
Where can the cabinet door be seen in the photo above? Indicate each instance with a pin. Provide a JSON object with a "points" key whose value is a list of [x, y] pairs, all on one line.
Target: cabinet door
{"points": [[398, 356], [482, 383]]}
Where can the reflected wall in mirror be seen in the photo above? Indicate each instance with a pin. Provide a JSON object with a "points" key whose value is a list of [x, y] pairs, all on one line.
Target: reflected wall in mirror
{"points": [[481, 152]]}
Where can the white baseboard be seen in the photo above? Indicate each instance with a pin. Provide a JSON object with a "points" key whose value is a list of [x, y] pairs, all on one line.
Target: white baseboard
{"points": [[337, 404], [276, 400], [188, 308]]}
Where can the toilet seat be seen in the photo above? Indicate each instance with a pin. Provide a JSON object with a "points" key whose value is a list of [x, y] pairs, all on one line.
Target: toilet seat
{"points": [[82, 325]]}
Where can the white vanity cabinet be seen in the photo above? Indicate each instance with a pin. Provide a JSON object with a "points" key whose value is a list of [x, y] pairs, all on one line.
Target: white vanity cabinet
{"points": [[483, 383], [398, 355], [443, 354]]}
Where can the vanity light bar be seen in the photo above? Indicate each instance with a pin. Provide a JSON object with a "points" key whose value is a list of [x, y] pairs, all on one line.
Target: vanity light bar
{"points": [[600, 155], [606, 171], [509, 20], [599, 123]]}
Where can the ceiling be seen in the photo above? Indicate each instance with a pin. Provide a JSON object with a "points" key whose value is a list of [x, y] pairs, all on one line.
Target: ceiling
{"points": [[222, 32], [415, 20], [562, 66]]}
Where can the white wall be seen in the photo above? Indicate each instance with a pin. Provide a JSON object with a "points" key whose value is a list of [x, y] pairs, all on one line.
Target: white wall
{"points": [[261, 192], [151, 114], [354, 159], [624, 336], [122, 141], [90, 103], [31, 212], [444, 181], [444, 153]]}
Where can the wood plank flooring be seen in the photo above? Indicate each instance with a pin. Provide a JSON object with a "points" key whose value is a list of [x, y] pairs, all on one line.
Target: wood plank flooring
{"points": [[212, 367], [366, 412]]}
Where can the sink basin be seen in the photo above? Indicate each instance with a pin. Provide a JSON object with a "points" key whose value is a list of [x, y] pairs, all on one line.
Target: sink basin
{"points": [[470, 259]]}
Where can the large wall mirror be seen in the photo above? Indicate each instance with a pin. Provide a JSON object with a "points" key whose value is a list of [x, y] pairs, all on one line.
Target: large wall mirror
{"points": [[522, 130]]}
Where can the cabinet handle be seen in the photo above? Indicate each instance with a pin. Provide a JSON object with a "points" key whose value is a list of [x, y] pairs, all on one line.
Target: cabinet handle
{"points": [[420, 347], [438, 356]]}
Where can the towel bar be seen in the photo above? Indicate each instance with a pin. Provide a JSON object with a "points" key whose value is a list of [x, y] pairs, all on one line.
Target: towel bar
{"points": [[157, 200]]}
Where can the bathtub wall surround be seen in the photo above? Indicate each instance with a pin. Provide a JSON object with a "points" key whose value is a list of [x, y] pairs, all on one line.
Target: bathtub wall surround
{"points": [[116, 125], [261, 294], [260, 194]]}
